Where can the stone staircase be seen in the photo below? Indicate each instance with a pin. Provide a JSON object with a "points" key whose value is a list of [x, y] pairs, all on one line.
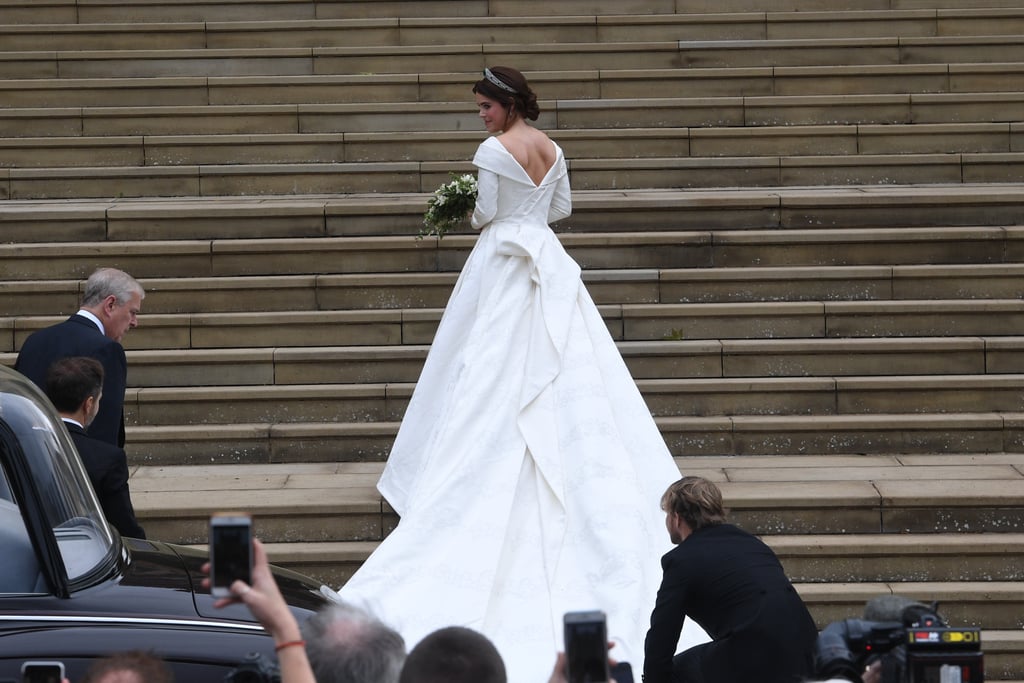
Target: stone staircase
{"points": [[803, 222]]}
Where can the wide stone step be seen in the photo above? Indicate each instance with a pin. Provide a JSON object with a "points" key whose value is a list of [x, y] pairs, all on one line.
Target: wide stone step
{"points": [[617, 79], [387, 402], [767, 495], [446, 30], [987, 604], [295, 61], [808, 558], [214, 327], [836, 319], [360, 102], [588, 174], [895, 48], [761, 435], [901, 557], [390, 47], [656, 360], [968, 222], [281, 148], [114, 11], [722, 265], [975, 281], [646, 360], [239, 265], [628, 286]]}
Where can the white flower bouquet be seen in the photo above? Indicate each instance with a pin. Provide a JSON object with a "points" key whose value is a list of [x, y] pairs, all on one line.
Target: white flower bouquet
{"points": [[449, 205]]}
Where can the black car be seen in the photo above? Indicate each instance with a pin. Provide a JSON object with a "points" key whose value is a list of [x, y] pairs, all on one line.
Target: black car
{"points": [[72, 589]]}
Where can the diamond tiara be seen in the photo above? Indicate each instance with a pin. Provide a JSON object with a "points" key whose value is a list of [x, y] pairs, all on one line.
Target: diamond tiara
{"points": [[489, 75]]}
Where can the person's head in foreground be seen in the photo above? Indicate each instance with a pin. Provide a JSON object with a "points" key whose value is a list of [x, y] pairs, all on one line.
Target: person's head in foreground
{"points": [[129, 667], [454, 655], [346, 644]]}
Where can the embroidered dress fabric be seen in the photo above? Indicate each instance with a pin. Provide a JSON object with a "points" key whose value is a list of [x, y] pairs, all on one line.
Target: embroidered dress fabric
{"points": [[527, 471]]}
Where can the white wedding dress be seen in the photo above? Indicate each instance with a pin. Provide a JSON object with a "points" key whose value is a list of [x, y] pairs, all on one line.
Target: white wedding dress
{"points": [[528, 470]]}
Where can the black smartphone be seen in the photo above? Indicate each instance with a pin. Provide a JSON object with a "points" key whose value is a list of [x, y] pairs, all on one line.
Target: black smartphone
{"points": [[622, 673], [586, 646], [42, 672], [230, 551]]}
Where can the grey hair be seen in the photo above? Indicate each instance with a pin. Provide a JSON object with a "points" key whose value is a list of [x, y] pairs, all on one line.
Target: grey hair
{"points": [[346, 644], [105, 282]]}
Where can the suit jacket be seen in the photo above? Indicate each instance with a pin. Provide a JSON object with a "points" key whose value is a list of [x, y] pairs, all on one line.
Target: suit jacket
{"points": [[79, 336], [107, 467], [733, 585]]}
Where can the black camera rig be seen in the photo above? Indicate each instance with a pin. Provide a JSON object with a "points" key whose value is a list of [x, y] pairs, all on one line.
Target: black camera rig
{"points": [[919, 648]]}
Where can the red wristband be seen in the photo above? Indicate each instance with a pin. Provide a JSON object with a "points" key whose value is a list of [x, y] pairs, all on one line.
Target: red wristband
{"points": [[290, 643]]}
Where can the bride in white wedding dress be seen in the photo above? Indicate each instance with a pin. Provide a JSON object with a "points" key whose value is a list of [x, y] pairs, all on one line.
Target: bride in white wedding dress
{"points": [[527, 471]]}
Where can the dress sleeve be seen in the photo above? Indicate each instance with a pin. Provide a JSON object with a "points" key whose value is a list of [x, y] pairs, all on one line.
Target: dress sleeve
{"points": [[561, 203], [486, 199]]}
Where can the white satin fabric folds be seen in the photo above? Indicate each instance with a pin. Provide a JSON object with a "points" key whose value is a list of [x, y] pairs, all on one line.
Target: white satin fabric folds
{"points": [[527, 470]]}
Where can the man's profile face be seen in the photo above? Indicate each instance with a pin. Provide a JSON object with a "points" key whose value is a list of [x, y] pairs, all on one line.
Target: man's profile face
{"points": [[672, 524], [121, 317]]}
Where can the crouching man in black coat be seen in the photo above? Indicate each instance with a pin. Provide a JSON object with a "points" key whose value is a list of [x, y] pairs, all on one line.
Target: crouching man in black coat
{"points": [[733, 585]]}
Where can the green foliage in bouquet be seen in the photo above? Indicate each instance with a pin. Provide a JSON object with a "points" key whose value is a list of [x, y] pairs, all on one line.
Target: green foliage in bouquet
{"points": [[449, 205]]}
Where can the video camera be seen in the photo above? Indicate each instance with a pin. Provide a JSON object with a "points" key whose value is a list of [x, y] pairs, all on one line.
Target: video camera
{"points": [[916, 646]]}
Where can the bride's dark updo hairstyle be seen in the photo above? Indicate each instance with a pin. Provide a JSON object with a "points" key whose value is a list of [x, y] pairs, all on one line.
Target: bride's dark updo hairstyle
{"points": [[509, 87]]}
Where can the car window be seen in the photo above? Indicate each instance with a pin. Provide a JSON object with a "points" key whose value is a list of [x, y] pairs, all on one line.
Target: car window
{"points": [[66, 499], [19, 571]]}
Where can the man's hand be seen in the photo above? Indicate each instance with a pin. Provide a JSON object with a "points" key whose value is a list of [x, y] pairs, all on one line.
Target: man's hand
{"points": [[873, 673]]}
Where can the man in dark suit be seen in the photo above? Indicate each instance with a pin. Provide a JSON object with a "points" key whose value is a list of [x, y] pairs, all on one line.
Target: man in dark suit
{"points": [[733, 585], [110, 307], [75, 387]]}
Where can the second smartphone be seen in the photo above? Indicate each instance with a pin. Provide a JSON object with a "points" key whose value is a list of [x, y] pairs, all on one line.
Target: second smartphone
{"points": [[230, 551]]}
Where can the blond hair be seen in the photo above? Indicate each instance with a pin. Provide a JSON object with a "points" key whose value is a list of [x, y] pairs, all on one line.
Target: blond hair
{"points": [[697, 500]]}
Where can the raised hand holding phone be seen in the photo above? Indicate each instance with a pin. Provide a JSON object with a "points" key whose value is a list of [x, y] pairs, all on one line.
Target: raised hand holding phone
{"points": [[230, 551]]}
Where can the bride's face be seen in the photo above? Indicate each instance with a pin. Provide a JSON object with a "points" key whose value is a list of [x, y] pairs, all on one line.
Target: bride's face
{"points": [[492, 113]]}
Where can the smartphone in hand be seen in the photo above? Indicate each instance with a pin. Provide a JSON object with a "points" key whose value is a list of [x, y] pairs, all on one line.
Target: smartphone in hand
{"points": [[42, 672], [230, 551], [586, 646]]}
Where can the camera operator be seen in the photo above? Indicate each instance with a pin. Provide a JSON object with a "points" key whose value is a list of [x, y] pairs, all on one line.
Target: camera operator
{"points": [[733, 585], [899, 641]]}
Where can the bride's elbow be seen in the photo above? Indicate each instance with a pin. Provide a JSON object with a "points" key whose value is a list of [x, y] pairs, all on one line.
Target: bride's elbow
{"points": [[479, 220]]}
